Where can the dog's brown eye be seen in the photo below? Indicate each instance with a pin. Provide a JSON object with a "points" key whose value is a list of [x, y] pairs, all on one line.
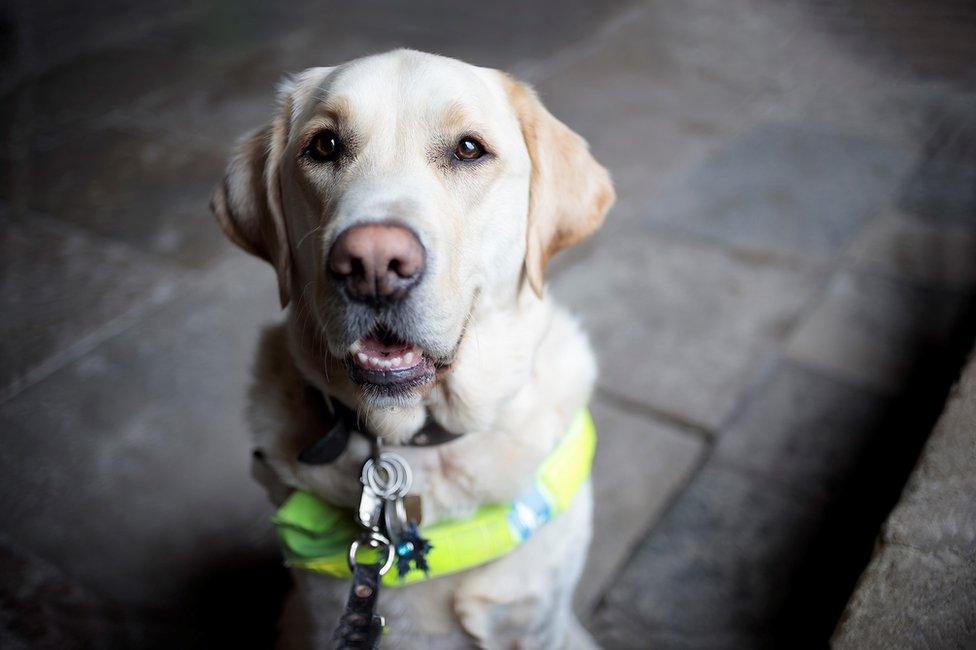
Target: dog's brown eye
{"points": [[468, 149], [324, 147]]}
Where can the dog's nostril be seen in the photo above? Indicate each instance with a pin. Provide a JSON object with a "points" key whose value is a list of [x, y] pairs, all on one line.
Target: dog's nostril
{"points": [[397, 267], [356, 267]]}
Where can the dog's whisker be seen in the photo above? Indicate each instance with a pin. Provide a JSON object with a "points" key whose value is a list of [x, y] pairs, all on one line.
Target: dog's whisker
{"points": [[308, 234]]}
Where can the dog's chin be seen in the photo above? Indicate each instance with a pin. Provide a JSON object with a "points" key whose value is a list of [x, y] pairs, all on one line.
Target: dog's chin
{"points": [[389, 371]]}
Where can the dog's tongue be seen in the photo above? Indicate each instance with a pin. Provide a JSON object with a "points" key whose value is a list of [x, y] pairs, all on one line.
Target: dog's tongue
{"points": [[374, 347]]}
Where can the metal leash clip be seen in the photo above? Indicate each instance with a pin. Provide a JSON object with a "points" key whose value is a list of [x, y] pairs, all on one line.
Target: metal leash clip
{"points": [[386, 479]]}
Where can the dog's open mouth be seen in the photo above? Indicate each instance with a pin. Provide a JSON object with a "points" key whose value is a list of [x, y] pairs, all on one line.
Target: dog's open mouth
{"points": [[382, 359]]}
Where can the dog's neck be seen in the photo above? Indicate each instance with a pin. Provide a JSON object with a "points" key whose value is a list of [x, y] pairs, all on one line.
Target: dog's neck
{"points": [[491, 366]]}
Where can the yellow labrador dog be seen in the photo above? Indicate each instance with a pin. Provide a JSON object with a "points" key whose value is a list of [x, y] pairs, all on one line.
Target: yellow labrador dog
{"points": [[409, 203]]}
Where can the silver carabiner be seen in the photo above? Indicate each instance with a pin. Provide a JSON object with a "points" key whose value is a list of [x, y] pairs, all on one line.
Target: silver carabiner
{"points": [[375, 540]]}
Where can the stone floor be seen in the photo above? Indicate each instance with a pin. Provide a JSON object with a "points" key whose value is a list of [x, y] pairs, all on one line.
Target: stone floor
{"points": [[791, 264]]}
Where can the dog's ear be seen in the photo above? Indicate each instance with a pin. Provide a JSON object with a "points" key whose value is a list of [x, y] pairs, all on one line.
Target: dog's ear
{"points": [[570, 192], [247, 203]]}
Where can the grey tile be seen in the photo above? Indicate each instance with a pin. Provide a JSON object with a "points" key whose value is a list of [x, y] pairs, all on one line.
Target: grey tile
{"points": [[61, 290], [714, 572], [90, 88], [873, 331], [148, 191], [640, 465], [681, 326], [784, 188], [129, 467], [910, 599], [937, 509], [756, 90], [916, 249], [942, 186], [804, 430]]}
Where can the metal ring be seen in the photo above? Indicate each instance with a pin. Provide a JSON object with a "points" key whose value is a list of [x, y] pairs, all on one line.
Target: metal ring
{"points": [[395, 517], [398, 479], [372, 540]]}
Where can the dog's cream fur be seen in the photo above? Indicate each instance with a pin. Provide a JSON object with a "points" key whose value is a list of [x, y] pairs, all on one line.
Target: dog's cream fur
{"points": [[516, 368]]}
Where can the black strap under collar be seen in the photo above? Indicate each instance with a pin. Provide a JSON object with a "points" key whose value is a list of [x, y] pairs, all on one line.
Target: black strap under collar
{"points": [[330, 446]]}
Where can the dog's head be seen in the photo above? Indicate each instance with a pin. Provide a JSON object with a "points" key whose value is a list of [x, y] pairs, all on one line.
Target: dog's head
{"points": [[398, 194]]}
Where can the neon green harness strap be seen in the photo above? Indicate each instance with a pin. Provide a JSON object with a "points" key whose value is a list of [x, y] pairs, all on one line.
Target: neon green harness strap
{"points": [[316, 535]]}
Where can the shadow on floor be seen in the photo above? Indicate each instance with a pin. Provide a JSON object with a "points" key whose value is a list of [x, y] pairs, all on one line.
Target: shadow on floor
{"points": [[233, 604]]}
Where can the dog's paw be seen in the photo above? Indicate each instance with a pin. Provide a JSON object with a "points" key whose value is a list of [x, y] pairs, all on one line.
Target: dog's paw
{"points": [[501, 616]]}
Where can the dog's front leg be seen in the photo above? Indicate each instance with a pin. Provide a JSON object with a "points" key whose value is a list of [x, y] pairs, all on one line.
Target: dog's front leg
{"points": [[524, 600]]}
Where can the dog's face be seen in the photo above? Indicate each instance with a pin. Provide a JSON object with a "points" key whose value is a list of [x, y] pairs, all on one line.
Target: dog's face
{"points": [[399, 194]]}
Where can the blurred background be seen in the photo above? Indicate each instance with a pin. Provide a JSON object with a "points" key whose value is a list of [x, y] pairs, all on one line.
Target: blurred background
{"points": [[781, 301]]}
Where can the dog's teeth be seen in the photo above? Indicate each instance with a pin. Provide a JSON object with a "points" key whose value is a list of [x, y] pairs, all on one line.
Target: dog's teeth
{"points": [[396, 361], [385, 363], [408, 357], [355, 347], [374, 361], [362, 356]]}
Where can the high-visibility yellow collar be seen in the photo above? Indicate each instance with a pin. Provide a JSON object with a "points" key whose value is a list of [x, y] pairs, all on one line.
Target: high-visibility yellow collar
{"points": [[316, 535]]}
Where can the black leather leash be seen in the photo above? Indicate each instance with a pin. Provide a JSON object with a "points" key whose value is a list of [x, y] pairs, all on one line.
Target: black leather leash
{"points": [[360, 628]]}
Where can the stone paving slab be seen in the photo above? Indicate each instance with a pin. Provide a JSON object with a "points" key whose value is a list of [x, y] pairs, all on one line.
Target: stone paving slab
{"points": [[715, 570], [94, 86], [916, 250], [873, 330], [144, 451], [804, 430], [62, 291], [701, 320], [149, 192], [841, 68], [640, 465], [786, 188], [942, 187]]}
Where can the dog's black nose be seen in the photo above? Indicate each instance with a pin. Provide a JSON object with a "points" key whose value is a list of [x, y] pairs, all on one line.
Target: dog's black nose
{"points": [[377, 262]]}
